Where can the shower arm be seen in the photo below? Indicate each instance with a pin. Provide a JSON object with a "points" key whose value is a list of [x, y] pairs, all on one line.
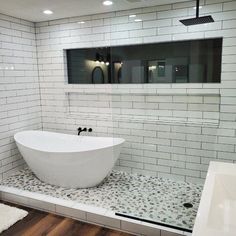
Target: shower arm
{"points": [[197, 20], [197, 8]]}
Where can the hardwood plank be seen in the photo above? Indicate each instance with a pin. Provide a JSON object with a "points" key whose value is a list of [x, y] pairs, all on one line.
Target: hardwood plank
{"points": [[81, 229], [43, 226], [62, 228], [38, 223]]}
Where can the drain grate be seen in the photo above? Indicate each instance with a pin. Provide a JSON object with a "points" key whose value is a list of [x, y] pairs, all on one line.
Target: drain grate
{"points": [[188, 205]]}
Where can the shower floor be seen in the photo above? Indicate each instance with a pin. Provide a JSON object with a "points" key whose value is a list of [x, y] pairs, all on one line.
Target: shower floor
{"points": [[151, 198]]}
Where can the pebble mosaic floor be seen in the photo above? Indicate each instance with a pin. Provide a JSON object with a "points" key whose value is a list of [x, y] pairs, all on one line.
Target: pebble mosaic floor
{"points": [[151, 198]]}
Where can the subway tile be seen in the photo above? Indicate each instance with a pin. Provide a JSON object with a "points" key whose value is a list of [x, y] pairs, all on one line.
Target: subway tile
{"points": [[129, 26], [165, 233], [147, 16], [227, 140], [226, 155], [131, 226], [229, 41], [226, 15], [172, 30], [159, 38], [208, 9], [142, 33], [171, 176], [229, 24], [116, 20], [158, 168], [187, 130], [69, 211], [171, 163], [181, 171], [185, 158], [218, 147], [177, 150], [131, 164], [103, 220], [157, 23], [145, 133], [206, 27], [202, 153], [196, 166], [144, 159], [144, 172], [184, 5], [189, 144], [187, 36], [229, 6], [157, 141], [173, 13]]}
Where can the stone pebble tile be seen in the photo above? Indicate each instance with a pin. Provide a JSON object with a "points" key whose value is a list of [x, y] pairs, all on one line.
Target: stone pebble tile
{"points": [[145, 197]]}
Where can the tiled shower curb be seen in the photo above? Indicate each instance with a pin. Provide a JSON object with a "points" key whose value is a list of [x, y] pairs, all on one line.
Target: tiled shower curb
{"points": [[85, 213]]}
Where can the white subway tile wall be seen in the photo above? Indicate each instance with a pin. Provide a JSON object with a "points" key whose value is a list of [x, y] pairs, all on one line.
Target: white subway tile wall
{"points": [[19, 88], [171, 131]]}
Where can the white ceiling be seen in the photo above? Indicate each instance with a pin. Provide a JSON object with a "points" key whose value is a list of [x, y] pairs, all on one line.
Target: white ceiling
{"points": [[32, 9]]}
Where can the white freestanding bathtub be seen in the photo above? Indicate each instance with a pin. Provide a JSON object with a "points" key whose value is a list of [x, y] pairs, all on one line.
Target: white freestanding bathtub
{"points": [[68, 160]]}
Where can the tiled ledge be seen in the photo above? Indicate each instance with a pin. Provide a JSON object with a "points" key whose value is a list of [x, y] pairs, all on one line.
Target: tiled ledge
{"points": [[145, 119], [86, 213], [145, 91]]}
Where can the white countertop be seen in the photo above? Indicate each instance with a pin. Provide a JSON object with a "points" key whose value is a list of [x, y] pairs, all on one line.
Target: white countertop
{"points": [[217, 210]]}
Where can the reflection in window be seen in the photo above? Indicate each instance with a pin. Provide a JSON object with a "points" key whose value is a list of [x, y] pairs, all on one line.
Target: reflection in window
{"points": [[196, 61]]}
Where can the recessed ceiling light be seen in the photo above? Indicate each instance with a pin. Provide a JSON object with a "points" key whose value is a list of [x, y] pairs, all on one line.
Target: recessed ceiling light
{"points": [[107, 3], [48, 12], [138, 20], [81, 22], [132, 16], [200, 7]]}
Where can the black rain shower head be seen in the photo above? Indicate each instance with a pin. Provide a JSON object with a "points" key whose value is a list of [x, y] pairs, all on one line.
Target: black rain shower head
{"points": [[197, 20]]}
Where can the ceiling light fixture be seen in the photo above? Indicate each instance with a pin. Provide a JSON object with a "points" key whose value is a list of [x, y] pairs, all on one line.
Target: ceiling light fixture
{"points": [[81, 22], [138, 20], [132, 16], [48, 12], [107, 3]]}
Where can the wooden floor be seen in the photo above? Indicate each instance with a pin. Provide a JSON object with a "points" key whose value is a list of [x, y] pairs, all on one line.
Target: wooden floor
{"points": [[38, 223]]}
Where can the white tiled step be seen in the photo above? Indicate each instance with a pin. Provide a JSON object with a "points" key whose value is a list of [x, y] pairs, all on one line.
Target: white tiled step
{"points": [[86, 213]]}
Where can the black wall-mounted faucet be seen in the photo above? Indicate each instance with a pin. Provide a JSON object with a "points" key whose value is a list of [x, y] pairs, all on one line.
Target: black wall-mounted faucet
{"points": [[80, 130]]}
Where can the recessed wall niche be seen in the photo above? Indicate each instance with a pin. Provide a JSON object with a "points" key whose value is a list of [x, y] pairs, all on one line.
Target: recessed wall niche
{"points": [[195, 61]]}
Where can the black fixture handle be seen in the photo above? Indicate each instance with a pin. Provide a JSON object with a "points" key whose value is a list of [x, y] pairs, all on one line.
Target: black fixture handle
{"points": [[80, 130]]}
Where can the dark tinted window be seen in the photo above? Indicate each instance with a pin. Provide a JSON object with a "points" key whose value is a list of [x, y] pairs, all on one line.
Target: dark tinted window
{"points": [[196, 61]]}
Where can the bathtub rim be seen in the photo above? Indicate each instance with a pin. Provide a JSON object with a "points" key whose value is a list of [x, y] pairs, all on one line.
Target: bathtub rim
{"points": [[121, 141]]}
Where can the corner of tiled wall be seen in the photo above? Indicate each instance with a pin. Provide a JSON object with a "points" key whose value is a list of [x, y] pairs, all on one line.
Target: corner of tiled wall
{"points": [[20, 107]]}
